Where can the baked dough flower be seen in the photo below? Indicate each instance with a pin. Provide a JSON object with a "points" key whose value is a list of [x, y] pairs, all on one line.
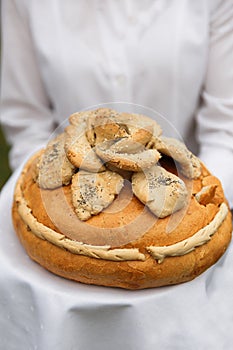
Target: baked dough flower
{"points": [[101, 148]]}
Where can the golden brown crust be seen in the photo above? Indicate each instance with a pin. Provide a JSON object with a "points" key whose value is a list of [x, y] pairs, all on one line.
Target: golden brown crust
{"points": [[126, 274]]}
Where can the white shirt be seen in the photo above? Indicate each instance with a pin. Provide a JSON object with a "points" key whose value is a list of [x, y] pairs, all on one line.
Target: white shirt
{"points": [[170, 56]]}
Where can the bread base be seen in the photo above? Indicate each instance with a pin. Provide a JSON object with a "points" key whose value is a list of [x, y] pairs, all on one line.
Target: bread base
{"points": [[130, 274]]}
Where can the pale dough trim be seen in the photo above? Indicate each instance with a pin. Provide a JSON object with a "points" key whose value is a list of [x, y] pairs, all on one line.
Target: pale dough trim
{"points": [[60, 240], [105, 252], [187, 245]]}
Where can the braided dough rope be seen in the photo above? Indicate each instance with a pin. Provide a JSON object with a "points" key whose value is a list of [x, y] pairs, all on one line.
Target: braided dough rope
{"points": [[105, 252], [60, 240], [188, 245]]}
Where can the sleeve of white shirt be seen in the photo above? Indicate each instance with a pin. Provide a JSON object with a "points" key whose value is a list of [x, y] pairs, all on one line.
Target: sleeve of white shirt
{"points": [[215, 117], [26, 115]]}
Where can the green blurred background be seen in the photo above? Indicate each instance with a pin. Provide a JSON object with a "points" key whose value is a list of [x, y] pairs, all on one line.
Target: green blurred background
{"points": [[4, 148], [4, 165]]}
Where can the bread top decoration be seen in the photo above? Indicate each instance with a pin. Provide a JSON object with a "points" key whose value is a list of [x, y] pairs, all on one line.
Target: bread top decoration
{"points": [[100, 149]]}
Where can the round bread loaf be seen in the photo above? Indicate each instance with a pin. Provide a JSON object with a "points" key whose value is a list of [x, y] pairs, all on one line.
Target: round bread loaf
{"points": [[120, 224]]}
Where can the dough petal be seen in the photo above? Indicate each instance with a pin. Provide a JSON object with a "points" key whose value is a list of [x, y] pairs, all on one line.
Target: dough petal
{"points": [[189, 163], [54, 168], [91, 193], [164, 193], [78, 149], [127, 161]]}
